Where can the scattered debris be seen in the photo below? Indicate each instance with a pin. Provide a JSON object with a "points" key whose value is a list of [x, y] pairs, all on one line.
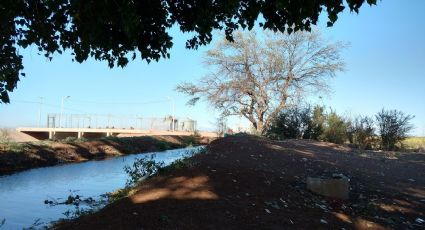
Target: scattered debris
{"points": [[322, 221], [420, 220], [272, 204]]}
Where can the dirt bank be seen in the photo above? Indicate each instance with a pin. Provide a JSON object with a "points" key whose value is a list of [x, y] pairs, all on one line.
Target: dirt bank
{"points": [[253, 183], [21, 156]]}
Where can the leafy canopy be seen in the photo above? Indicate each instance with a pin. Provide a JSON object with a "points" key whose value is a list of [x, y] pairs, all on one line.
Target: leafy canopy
{"points": [[118, 31]]}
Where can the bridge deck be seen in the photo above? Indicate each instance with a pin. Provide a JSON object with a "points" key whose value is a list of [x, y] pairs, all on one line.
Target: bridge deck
{"points": [[51, 133]]}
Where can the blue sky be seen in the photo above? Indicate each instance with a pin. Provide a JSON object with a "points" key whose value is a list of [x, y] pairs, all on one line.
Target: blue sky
{"points": [[385, 68]]}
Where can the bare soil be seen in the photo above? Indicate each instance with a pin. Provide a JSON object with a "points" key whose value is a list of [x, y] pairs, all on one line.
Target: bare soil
{"points": [[49, 153], [246, 182]]}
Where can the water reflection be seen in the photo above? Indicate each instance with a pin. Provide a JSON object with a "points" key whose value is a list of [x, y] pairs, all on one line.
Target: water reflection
{"points": [[22, 194]]}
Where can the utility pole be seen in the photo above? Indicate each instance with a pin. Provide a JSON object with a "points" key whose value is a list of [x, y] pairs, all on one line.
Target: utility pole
{"points": [[40, 104], [60, 116]]}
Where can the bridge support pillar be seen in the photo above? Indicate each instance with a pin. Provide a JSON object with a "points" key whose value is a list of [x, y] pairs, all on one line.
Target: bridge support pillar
{"points": [[52, 134]]}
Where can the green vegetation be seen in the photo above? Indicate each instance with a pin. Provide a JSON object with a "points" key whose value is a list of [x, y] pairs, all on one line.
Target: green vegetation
{"points": [[387, 130], [393, 127], [361, 132], [335, 129], [162, 145], [142, 168], [7, 145], [71, 140]]}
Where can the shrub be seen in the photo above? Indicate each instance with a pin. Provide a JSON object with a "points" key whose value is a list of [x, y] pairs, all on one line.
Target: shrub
{"points": [[162, 145], [316, 129], [141, 169], [393, 127], [291, 123], [335, 129], [363, 132]]}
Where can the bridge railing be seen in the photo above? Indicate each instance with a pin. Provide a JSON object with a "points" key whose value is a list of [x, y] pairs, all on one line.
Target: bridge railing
{"points": [[120, 121]]}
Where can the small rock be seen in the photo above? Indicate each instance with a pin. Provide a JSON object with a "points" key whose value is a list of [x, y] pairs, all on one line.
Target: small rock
{"points": [[322, 221], [304, 159], [135, 213], [411, 180], [268, 211], [420, 220]]}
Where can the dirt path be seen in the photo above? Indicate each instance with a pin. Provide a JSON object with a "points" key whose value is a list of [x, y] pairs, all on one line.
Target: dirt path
{"points": [[253, 183], [21, 156]]}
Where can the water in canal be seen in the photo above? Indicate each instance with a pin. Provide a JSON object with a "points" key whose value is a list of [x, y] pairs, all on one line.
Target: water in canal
{"points": [[22, 195]]}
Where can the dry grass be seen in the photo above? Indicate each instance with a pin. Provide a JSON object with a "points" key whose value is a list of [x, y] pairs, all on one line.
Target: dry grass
{"points": [[416, 144]]}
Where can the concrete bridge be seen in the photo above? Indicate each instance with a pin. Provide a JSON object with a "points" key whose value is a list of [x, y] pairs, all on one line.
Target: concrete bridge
{"points": [[61, 133]]}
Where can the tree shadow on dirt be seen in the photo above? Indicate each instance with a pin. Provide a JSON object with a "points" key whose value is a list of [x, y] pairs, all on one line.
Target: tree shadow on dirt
{"points": [[249, 182]]}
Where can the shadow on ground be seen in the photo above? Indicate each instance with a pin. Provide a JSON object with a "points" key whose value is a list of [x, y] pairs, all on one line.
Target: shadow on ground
{"points": [[253, 183]]}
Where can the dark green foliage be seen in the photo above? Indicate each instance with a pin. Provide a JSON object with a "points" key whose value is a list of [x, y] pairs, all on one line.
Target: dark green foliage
{"points": [[291, 123], [302, 122], [141, 169], [162, 145], [393, 126], [317, 123], [362, 132], [119, 31], [335, 129]]}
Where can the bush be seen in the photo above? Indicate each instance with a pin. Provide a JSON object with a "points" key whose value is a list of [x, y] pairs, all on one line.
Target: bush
{"points": [[393, 127], [162, 145], [335, 129], [317, 127], [291, 123], [363, 132], [141, 169]]}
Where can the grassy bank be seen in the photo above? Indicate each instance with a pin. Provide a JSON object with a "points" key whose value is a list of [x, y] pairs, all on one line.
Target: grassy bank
{"points": [[20, 156]]}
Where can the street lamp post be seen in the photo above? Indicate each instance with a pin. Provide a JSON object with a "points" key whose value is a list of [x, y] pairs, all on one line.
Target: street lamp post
{"points": [[39, 111], [173, 118], [60, 116]]}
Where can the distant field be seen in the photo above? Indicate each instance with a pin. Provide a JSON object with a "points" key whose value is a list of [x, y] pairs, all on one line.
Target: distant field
{"points": [[414, 143]]}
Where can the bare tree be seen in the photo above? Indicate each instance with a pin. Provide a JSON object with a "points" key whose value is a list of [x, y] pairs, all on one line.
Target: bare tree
{"points": [[258, 75]]}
